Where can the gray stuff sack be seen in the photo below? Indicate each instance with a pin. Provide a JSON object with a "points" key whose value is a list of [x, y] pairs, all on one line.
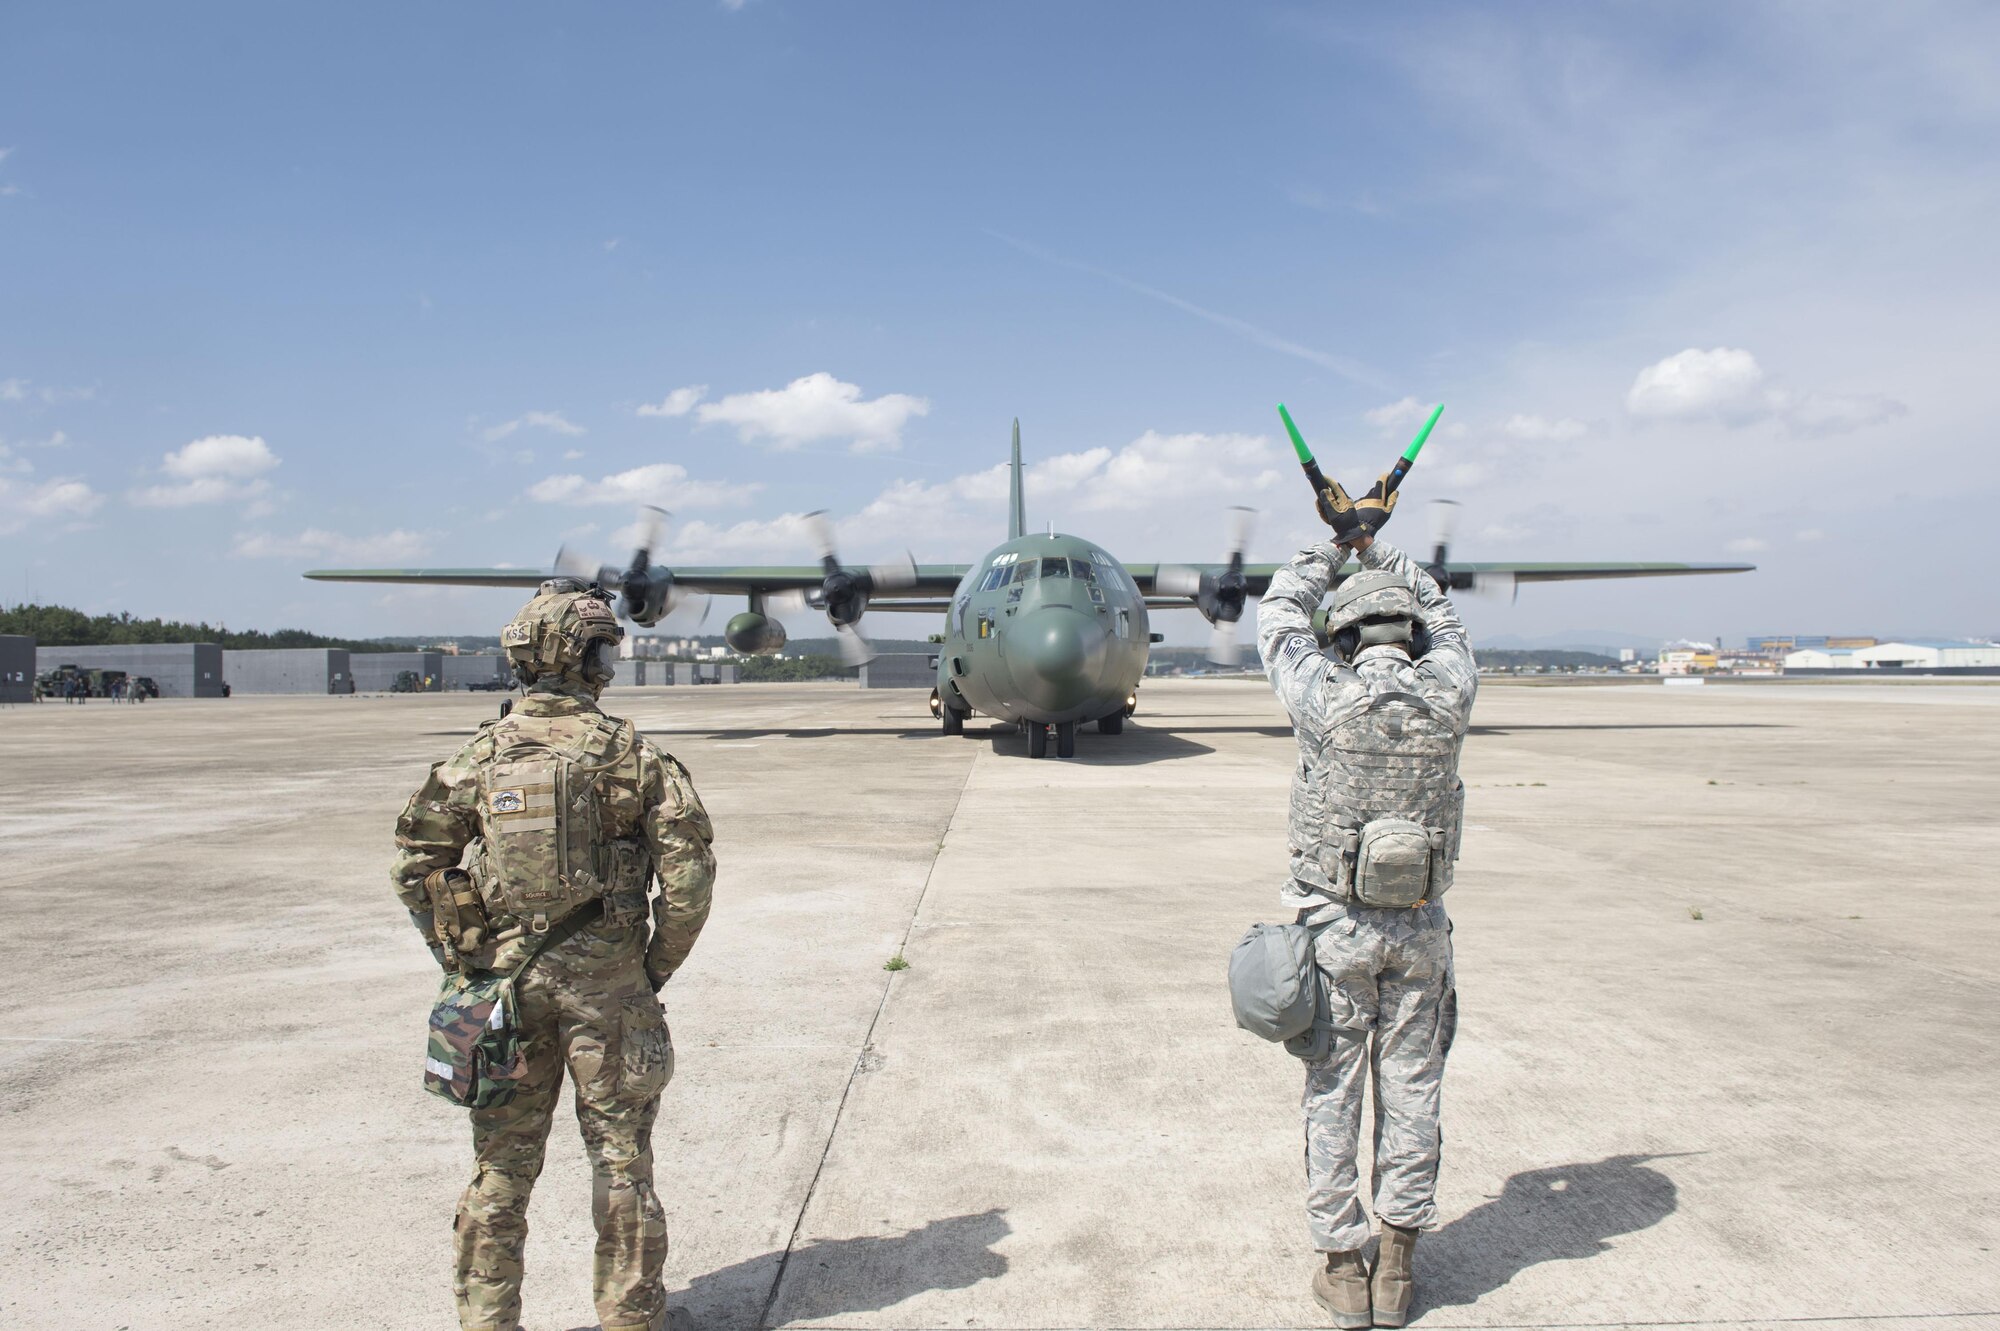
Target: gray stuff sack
{"points": [[1274, 984]]}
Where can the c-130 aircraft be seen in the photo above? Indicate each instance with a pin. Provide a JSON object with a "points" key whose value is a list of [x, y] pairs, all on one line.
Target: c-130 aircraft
{"points": [[1046, 632]]}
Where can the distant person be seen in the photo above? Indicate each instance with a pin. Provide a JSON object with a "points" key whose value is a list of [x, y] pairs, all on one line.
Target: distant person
{"points": [[562, 896], [1376, 814]]}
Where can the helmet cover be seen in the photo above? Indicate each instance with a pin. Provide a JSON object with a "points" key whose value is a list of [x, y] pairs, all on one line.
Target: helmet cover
{"points": [[558, 631]]}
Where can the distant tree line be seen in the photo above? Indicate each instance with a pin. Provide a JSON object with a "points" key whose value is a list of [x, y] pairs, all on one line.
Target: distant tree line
{"points": [[60, 626], [792, 669]]}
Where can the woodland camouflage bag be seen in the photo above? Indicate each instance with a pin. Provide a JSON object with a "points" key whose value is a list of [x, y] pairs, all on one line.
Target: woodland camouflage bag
{"points": [[474, 1057]]}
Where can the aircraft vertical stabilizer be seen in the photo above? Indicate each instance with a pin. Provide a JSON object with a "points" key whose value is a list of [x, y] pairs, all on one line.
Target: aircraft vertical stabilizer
{"points": [[1017, 512]]}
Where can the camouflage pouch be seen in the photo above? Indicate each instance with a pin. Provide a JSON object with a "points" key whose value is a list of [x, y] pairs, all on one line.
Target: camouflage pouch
{"points": [[474, 1057], [1392, 866]]}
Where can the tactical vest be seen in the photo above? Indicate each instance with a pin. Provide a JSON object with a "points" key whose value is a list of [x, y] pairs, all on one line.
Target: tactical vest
{"points": [[543, 850], [1377, 806]]}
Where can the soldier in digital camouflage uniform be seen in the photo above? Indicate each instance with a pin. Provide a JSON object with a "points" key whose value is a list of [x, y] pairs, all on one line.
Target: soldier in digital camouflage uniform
{"points": [[588, 1002], [1380, 716]]}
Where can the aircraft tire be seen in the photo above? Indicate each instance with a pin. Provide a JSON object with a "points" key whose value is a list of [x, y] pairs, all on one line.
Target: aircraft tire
{"points": [[954, 722], [1038, 740], [1113, 724], [1066, 739]]}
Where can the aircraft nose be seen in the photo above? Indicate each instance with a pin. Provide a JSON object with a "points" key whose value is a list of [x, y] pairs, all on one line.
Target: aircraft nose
{"points": [[1058, 657]]}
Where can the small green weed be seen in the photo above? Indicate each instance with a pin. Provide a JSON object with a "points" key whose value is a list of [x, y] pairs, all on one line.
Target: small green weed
{"points": [[1694, 912], [896, 963]]}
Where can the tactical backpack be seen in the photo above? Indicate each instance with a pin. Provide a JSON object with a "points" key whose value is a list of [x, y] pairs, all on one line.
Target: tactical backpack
{"points": [[541, 815], [1386, 783]]}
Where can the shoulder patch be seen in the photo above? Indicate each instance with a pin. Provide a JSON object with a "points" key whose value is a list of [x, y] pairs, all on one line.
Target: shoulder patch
{"points": [[1296, 646]]}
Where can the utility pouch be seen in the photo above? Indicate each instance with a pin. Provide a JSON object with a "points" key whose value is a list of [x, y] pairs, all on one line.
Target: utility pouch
{"points": [[1392, 867], [1274, 981], [628, 878], [458, 916], [474, 1057], [1337, 859]]}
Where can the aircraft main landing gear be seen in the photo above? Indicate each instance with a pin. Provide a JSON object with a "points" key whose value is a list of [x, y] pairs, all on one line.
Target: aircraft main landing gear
{"points": [[1038, 740], [1065, 739]]}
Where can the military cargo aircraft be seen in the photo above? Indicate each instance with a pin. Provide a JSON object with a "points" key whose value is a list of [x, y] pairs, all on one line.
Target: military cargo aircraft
{"points": [[1047, 632]]}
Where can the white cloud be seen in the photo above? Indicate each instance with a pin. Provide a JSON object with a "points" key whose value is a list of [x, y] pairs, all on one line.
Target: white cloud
{"points": [[1723, 384], [662, 483], [1538, 429], [1727, 386], [816, 407], [17, 390], [677, 403], [220, 455], [1400, 414], [1748, 545], [572, 454], [220, 468], [62, 497], [552, 421], [314, 543]]}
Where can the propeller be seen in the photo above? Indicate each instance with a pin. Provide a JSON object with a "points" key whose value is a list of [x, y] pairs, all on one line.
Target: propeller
{"points": [[646, 590], [1444, 524], [1218, 595], [844, 591]]}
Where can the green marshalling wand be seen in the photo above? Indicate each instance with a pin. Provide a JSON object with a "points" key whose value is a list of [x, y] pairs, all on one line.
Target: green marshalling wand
{"points": [[1320, 484]]}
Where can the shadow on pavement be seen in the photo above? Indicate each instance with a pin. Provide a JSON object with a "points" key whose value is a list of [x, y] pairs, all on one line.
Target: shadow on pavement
{"points": [[1136, 746], [1634, 725], [1560, 1214], [833, 1277]]}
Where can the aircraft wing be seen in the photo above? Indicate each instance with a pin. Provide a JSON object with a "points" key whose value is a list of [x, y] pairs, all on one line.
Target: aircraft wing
{"points": [[1258, 576], [933, 580]]}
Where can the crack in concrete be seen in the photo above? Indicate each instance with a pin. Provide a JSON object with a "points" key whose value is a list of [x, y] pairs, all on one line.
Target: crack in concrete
{"points": [[862, 1059]]}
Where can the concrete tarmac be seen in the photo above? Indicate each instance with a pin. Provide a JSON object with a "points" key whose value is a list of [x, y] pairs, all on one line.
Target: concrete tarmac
{"points": [[1729, 1052]]}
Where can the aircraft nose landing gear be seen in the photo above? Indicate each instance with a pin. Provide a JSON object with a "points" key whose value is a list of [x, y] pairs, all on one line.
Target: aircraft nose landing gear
{"points": [[1038, 739]]}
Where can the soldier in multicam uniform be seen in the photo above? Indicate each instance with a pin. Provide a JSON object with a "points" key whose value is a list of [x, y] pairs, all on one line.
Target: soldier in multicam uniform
{"points": [[1376, 814], [570, 814]]}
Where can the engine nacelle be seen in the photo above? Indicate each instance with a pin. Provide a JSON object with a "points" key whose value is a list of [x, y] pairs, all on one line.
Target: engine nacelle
{"points": [[752, 634], [645, 594]]}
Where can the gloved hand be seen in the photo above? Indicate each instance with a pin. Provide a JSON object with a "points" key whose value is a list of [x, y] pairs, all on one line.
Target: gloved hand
{"points": [[1373, 509], [1337, 511]]}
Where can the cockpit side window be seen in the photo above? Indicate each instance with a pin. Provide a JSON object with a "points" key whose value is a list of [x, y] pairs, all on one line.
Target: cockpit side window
{"points": [[995, 577], [1055, 566], [1025, 570], [1080, 568]]}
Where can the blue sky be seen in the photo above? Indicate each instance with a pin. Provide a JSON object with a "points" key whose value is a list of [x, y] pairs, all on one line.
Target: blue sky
{"points": [[284, 288]]}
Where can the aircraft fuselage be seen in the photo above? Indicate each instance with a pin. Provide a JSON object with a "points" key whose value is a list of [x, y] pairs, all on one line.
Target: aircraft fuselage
{"points": [[1044, 629]]}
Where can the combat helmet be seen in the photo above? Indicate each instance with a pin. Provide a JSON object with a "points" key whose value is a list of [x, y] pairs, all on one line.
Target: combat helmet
{"points": [[1373, 607], [566, 631]]}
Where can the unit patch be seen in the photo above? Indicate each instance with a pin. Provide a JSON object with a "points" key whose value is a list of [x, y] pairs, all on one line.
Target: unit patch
{"points": [[508, 801], [588, 608]]}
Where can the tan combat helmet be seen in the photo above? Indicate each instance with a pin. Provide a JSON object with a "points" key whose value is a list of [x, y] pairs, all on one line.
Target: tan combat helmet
{"points": [[566, 631], [1374, 606]]}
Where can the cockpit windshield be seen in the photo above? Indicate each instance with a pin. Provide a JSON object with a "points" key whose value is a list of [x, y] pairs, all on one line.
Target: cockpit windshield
{"points": [[1025, 570], [1055, 566]]}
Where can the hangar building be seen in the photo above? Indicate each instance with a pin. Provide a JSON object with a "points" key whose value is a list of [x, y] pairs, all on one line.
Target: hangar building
{"points": [[17, 668], [181, 669], [289, 670], [375, 672]]}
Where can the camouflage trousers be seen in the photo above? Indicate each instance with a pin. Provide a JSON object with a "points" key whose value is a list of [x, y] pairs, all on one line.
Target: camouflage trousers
{"points": [[585, 1005], [1389, 982]]}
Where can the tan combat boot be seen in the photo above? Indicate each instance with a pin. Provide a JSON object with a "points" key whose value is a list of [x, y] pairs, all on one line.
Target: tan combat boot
{"points": [[1395, 1280], [1341, 1286]]}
